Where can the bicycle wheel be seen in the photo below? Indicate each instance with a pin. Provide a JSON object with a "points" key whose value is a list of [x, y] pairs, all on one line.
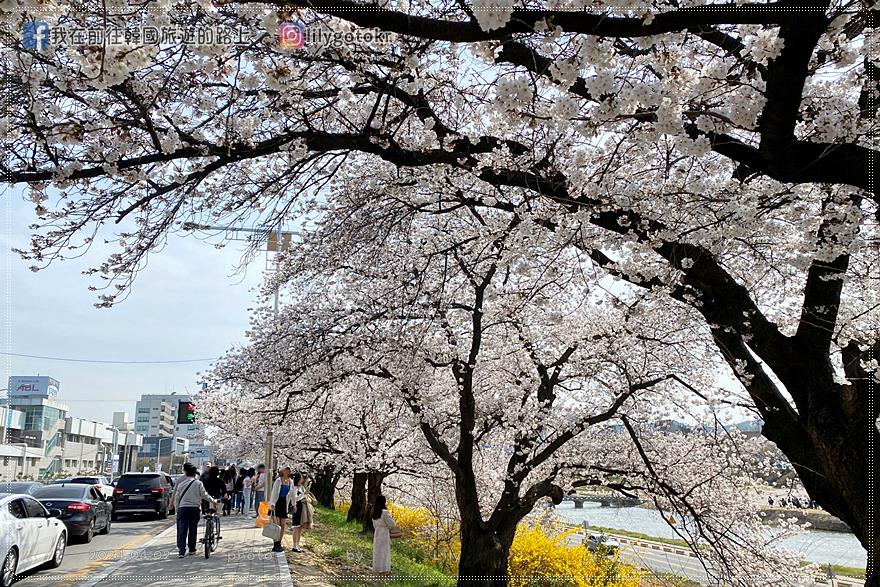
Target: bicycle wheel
{"points": [[209, 537], [216, 534]]}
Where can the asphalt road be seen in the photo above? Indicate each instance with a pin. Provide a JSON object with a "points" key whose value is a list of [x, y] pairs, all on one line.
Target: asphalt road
{"points": [[82, 560]]}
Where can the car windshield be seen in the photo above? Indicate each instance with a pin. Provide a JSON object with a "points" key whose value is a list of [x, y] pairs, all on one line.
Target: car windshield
{"points": [[86, 480], [138, 481], [61, 492]]}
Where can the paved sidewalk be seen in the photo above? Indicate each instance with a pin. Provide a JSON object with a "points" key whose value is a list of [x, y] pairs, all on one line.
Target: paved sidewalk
{"points": [[243, 557]]}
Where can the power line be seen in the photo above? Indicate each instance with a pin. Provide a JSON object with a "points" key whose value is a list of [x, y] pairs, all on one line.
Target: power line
{"points": [[69, 360]]}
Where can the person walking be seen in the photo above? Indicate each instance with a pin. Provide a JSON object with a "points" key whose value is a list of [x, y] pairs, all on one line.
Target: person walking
{"points": [[229, 488], [247, 490], [238, 496], [280, 502], [298, 501], [214, 486], [259, 488], [187, 499], [383, 529]]}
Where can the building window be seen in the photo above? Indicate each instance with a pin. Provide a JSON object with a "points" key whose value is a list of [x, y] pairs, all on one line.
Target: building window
{"points": [[5, 461]]}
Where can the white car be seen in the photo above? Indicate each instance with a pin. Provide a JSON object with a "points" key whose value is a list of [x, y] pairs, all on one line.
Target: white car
{"points": [[101, 483], [31, 536]]}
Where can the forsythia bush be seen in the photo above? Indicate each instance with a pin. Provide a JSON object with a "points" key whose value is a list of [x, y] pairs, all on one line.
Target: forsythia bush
{"points": [[537, 555], [343, 506], [436, 537]]}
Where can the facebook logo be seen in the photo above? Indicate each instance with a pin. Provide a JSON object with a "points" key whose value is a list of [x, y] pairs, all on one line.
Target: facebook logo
{"points": [[36, 35]]}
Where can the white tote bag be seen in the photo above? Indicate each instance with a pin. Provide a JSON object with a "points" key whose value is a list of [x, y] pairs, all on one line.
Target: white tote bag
{"points": [[273, 531]]}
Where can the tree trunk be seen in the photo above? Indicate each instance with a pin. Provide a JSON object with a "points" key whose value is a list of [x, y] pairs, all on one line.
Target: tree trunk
{"points": [[324, 486], [484, 553], [374, 490], [358, 510]]}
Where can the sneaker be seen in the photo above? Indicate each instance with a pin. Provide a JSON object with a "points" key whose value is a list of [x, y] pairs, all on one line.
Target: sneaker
{"points": [[295, 549], [181, 555], [277, 549], [192, 552]]}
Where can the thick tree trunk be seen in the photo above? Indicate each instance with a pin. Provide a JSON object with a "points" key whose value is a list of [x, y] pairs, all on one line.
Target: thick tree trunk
{"points": [[484, 553], [374, 490], [830, 446], [358, 510], [324, 486]]}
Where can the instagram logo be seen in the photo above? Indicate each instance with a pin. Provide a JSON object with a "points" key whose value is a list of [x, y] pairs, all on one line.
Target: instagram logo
{"points": [[291, 35]]}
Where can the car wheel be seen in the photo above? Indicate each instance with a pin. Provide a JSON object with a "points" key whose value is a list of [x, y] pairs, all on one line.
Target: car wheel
{"points": [[10, 564], [59, 553], [162, 514], [106, 528], [90, 533]]}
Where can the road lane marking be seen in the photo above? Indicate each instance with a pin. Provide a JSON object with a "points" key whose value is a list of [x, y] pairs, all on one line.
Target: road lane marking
{"points": [[150, 539]]}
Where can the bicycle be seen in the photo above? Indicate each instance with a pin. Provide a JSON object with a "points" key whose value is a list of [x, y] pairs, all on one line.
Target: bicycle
{"points": [[212, 532]]}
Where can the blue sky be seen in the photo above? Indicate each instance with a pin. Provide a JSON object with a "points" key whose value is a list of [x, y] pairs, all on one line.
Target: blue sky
{"points": [[188, 303]]}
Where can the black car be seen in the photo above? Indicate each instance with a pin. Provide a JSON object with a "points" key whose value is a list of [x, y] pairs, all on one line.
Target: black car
{"points": [[143, 493], [84, 510], [26, 487]]}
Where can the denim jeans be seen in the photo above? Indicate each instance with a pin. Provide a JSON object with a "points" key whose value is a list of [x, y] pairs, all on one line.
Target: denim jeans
{"points": [[247, 495], [187, 528], [238, 501]]}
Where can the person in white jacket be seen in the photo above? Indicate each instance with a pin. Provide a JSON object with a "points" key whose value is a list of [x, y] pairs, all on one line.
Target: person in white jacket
{"points": [[298, 501], [280, 502], [187, 499]]}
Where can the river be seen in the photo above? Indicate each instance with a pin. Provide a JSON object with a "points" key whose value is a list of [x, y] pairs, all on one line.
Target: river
{"points": [[814, 545]]}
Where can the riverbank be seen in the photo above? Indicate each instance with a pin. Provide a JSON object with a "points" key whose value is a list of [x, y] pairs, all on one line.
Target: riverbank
{"points": [[818, 519]]}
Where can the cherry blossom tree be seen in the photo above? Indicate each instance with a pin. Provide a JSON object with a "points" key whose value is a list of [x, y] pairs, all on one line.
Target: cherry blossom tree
{"points": [[719, 154], [503, 362]]}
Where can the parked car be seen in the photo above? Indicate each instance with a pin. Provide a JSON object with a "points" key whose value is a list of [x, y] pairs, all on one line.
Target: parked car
{"points": [[602, 543], [143, 493], [60, 481], [102, 483], [84, 510], [26, 487], [30, 536]]}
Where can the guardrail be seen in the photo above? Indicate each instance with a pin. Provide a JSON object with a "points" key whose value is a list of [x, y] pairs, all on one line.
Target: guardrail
{"points": [[841, 581]]}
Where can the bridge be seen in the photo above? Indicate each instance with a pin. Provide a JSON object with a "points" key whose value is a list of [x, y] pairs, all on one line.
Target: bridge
{"points": [[605, 500]]}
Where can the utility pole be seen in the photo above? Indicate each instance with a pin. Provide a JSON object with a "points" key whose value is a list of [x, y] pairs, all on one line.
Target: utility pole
{"points": [[279, 245]]}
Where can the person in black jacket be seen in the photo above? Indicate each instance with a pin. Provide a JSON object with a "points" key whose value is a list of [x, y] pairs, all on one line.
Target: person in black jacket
{"points": [[238, 499], [214, 486]]}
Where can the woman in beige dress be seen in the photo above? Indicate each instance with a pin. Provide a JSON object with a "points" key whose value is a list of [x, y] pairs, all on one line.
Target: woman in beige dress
{"points": [[384, 528]]}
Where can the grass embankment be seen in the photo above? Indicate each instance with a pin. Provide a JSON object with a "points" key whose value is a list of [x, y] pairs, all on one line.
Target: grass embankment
{"points": [[349, 553], [342, 542]]}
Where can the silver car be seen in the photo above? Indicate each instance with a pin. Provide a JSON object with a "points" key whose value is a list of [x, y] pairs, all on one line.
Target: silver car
{"points": [[602, 544]]}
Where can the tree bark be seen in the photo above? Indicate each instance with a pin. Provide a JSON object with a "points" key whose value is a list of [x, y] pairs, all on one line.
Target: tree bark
{"points": [[374, 490], [358, 510], [324, 486], [484, 553]]}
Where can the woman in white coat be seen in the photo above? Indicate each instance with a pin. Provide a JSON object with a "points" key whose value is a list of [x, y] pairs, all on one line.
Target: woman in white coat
{"points": [[280, 502], [383, 530]]}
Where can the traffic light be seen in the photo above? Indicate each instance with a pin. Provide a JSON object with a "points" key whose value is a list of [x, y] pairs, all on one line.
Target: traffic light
{"points": [[186, 413]]}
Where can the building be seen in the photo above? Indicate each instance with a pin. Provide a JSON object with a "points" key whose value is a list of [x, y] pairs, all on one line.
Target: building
{"points": [[49, 442], [156, 416]]}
